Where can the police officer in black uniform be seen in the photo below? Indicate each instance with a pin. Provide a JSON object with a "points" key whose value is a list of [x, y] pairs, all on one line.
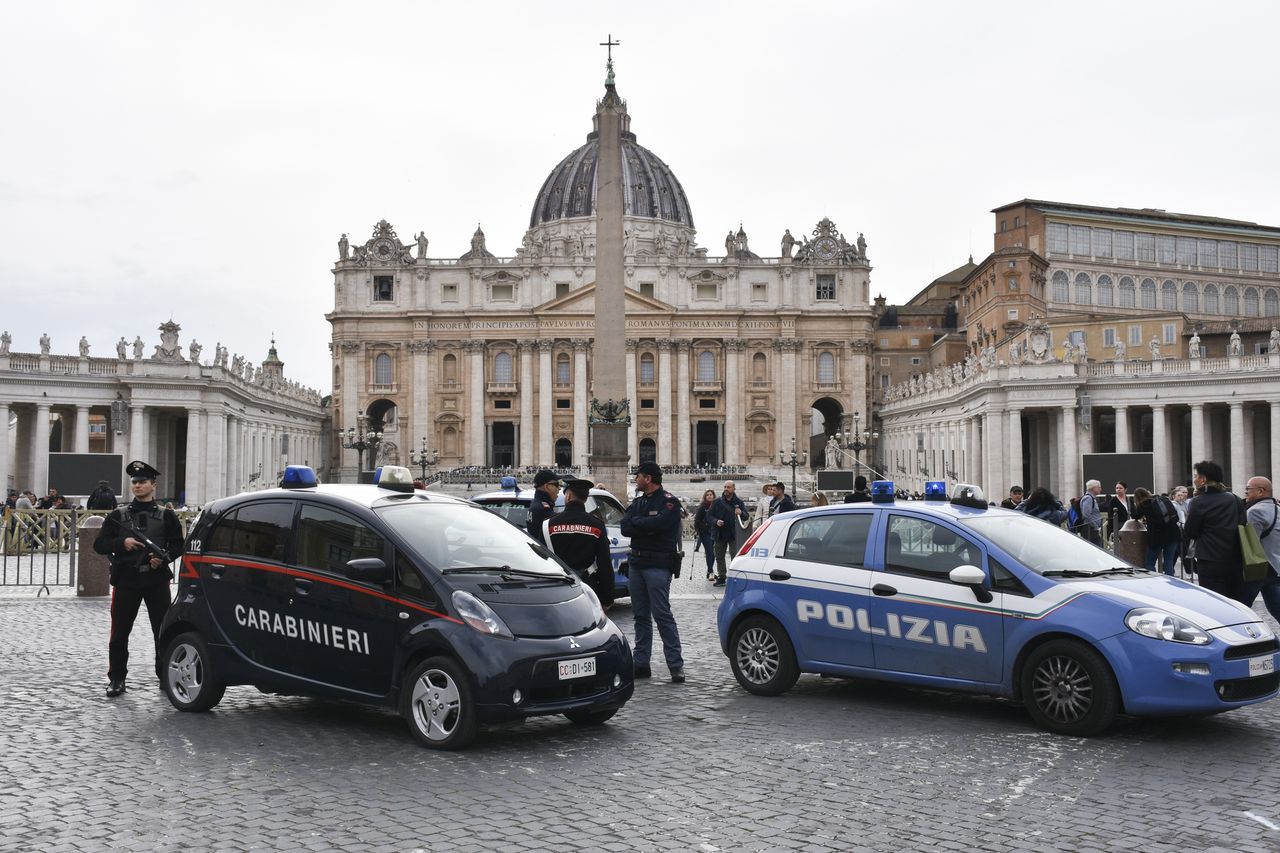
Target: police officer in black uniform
{"points": [[546, 487], [581, 540], [137, 572], [652, 521]]}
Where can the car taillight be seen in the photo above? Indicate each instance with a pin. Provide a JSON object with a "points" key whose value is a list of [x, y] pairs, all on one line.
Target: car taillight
{"points": [[746, 546]]}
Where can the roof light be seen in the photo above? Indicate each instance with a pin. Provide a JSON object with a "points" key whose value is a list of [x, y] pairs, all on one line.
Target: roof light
{"points": [[509, 482], [882, 492], [299, 477], [967, 494], [935, 490], [397, 478]]}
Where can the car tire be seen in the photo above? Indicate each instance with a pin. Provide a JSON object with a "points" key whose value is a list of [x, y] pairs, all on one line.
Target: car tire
{"points": [[588, 717], [1068, 688], [762, 657], [189, 678], [436, 702]]}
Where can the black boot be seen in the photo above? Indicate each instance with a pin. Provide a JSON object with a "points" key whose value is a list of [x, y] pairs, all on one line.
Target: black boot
{"points": [[116, 687]]}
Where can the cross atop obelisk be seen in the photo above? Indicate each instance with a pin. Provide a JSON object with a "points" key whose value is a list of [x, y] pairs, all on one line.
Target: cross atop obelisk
{"points": [[609, 44]]}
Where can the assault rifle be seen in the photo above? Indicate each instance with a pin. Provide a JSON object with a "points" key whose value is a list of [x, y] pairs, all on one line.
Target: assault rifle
{"points": [[150, 546]]}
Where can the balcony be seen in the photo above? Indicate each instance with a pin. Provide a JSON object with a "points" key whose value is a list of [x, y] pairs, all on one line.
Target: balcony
{"points": [[503, 388], [705, 387]]}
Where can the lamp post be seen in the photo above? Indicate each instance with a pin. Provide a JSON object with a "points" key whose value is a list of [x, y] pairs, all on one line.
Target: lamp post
{"points": [[857, 440], [360, 438], [794, 460], [424, 457]]}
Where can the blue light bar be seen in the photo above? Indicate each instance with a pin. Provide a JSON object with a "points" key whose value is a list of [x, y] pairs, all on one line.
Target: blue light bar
{"points": [[508, 482], [935, 490], [299, 477], [377, 475], [882, 492]]}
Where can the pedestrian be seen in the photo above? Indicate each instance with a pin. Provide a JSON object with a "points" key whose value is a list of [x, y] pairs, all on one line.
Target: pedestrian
{"points": [[725, 512], [1262, 513], [1164, 536], [1182, 503], [546, 487], [48, 500], [102, 497], [1090, 526], [652, 521], [1015, 498], [582, 541], [1119, 508], [1043, 505], [820, 499], [859, 495], [137, 573], [762, 503], [1212, 520], [702, 530], [782, 501], [1179, 498]]}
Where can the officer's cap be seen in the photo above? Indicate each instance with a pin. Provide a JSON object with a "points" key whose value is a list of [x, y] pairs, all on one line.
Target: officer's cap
{"points": [[651, 470], [579, 488], [543, 477], [139, 470]]}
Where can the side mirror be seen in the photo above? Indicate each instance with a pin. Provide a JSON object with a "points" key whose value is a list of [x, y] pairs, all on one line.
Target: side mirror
{"points": [[369, 570], [972, 577]]}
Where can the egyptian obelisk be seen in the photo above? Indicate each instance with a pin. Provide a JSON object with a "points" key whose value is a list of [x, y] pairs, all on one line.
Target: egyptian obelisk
{"points": [[610, 410]]}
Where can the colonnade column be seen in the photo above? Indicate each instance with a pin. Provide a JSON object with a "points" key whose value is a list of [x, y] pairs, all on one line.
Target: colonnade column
{"points": [[526, 348], [475, 454], [633, 456], [546, 456], [683, 393], [215, 456], [137, 433], [232, 480], [976, 456], [194, 486], [1275, 442], [40, 452], [581, 400], [82, 429], [1238, 473], [1159, 449], [996, 481], [6, 413], [1122, 429], [1069, 474], [1246, 447], [733, 454], [665, 456], [1198, 432], [1017, 474]]}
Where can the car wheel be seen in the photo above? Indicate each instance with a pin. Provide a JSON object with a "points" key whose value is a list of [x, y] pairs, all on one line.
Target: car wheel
{"points": [[189, 679], [1069, 689], [762, 657], [587, 717], [436, 702]]}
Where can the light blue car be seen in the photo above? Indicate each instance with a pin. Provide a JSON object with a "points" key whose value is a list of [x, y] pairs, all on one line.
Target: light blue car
{"points": [[952, 594]]}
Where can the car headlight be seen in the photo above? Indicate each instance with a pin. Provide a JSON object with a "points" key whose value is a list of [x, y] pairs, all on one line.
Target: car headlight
{"points": [[1161, 625], [596, 610], [479, 615]]}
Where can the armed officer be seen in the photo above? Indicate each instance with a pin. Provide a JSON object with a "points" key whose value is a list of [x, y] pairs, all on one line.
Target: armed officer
{"points": [[546, 487], [652, 521], [582, 541], [131, 536]]}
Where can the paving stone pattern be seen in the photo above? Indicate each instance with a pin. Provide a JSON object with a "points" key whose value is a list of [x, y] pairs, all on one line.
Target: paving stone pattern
{"points": [[833, 765]]}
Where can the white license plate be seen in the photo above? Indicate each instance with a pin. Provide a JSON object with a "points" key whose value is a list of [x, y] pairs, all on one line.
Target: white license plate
{"points": [[583, 667], [1257, 666]]}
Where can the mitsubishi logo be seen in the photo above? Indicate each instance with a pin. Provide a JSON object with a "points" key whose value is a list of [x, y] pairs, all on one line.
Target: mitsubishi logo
{"points": [[573, 644]]}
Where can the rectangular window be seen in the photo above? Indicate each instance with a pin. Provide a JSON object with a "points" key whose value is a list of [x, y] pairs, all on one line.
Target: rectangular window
{"points": [[706, 291], [1081, 244], [915, 361], [1124, 245], [562, 289], [1209, 253], [449, 293], [1268, 258], [1109, 337], [884, 382], [1017, 222], [1170, 333], [1249, 257], [759, 292], [1187, 251], [1056, 238], [1013, 313], [884, 361], [502, 292], [1144, 248], [1165, 253], [646, 289], [1102, 242], [1076, 337], [647, 404], [1227, 255], [562, 403], [1135, 336], [502, 404], [383, 288], [826, 288], [706, 403], [915, 342], [884, 342], [1004, 225]]}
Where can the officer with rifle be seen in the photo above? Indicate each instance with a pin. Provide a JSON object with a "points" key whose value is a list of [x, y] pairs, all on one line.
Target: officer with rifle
{"points": [[142, 539]]}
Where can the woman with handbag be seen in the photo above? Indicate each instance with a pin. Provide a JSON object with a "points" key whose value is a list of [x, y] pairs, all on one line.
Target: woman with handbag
{"points": [[702, 530]]}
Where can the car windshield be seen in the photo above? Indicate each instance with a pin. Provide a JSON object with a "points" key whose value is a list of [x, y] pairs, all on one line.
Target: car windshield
{"points": [[451, 536], [514, 511], [609, 510], [1042, 547]]}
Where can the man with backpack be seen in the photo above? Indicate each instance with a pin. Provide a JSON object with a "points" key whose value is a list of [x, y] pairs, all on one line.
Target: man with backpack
{"points": [[102, 497], [1164, 536], [1262, 513], [1089, 525]]}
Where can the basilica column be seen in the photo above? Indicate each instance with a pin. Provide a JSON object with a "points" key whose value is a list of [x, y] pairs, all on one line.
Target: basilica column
{"points": [[352, 386], [526, 402], [82, 429], [215, 456], [1197, 433], [733, 412], [788, 390], [1017, 474], [476, 452], [1069, 470], [546, 454], [1159, 449], [581, 401], [665, 455], [1122, 429], [684, 393], [856, 381], [632, 440], [420, 353], [1238, 473], [194, 486]]}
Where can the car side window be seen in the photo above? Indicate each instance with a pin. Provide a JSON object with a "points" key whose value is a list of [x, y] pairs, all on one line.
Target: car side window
{"points": [[838, 539], [222, 537], [1004, 580], [606, 510], [409, 581], [917, 546], [327, 539], [262, 530]]}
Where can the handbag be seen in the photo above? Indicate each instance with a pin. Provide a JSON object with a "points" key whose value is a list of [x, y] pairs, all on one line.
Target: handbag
{"points": [[1255, 559]]}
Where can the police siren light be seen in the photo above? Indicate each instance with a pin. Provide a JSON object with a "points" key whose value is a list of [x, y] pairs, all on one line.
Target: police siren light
{"points": [[508, 482], [882, 492], [397, 478], [299, 477], [967, 494], [935, 490]]}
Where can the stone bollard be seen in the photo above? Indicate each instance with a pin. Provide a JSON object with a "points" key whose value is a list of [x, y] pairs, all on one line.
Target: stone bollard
{"points": [[93, 570], [1131, 543]]}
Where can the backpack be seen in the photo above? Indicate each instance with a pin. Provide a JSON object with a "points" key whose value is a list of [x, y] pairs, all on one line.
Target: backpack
{"points": [[1168, 512], [1074, 516]]}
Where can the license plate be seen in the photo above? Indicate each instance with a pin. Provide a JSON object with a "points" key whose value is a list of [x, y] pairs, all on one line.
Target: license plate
{"points": [[1257, 666], [584, 667]]}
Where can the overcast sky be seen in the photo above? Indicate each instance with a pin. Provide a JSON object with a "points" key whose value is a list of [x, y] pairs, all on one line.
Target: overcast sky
{"points": [[199, 161]]}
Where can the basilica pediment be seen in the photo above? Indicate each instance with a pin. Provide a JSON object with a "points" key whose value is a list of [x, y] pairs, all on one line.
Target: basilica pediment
{"points": [[583, 301]]}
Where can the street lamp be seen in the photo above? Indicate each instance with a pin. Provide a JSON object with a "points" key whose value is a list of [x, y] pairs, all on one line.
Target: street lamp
{"points": [[857, 440], [424, 458], [360, 438], [794, 460]]}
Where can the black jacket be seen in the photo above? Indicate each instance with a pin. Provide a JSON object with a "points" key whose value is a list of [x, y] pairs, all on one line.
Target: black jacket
{"points": [[102, 498], [1152, 514], [580, 539], [1212, 520], [701, 524], [541, 508], [782, 504], [652, 522], [131, 569], [857, 498], [728, 512]]}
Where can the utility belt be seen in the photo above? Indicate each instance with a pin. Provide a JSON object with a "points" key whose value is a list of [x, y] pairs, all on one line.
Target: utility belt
{"points": [[669, 560]]}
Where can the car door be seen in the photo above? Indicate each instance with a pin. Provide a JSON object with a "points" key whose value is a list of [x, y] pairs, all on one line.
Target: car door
{"points": [[921, 622], [821, 581]]}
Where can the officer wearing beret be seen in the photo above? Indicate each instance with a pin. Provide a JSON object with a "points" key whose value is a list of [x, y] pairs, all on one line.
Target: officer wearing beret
{"points": [[652, 521], [546, 487], [138, 574], [582, 540]]}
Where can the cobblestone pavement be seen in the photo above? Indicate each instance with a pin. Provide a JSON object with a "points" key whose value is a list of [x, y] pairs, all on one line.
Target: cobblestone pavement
{"points": [[833, 765]]}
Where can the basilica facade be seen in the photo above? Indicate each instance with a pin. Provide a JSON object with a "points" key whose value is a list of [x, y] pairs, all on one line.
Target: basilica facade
{"points": [[487, 358]]}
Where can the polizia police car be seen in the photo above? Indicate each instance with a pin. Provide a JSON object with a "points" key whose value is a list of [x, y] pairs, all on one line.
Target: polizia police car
{"points": [[387, 596], [952, 594]]}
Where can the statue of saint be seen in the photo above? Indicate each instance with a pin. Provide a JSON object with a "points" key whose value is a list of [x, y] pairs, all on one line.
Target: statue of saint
{"points": [[660, 242], [193, 352], [137, 347], [629, 242], [84, 347], [1155, 348], [1068, 351], [578, 244], [730, 245], [862, 246], [1236, 347], [121, 347], [833, 453], [45, 345], [1193, 346], [1121, 349], [788, 243], [344, 248], [6, 340], [1273, 344], [1082, 352], [682, 246], [422, 245]]}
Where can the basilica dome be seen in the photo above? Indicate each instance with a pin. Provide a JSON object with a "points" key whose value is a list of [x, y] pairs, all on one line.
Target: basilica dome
{"points": [[650, 188]]}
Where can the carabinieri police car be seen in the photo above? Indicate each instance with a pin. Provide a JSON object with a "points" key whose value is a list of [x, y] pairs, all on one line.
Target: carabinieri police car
{"points": [[387, 596], [952, 594]]}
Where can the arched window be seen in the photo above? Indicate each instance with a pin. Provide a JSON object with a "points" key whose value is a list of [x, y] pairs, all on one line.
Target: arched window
{"points": [[1271, 303], [1060, 287], [1148, 293], [337, 377], [648, 450], [1251, 302], [826, 369], [1106, 291], [759, 367], [646, 369], [1211, 299], [706, 366], [1084, 289], [502, 368], [760, 441], [1126, 292], [562, 369], [564, 452], [1190, 296], [1231, 302], [450, 368], [382, 369], [1169, 296]]}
